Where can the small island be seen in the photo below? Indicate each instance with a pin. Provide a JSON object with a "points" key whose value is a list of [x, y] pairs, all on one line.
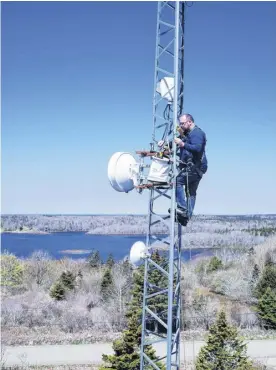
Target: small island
{"points": [[75, 251], [24, 230]]}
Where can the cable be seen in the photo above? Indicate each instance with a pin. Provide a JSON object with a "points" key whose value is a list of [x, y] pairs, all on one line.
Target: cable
{"points": [[181, 91], [188, 194]]}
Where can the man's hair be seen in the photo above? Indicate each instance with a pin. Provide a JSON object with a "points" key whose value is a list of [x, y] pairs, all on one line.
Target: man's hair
{"points": [[188, 116]]}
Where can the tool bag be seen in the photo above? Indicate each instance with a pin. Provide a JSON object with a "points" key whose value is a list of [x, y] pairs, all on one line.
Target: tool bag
{"points": [[159, 170]]}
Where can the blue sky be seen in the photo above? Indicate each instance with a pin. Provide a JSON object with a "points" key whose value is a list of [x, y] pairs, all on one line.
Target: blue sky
{"points": [[77, 85]]}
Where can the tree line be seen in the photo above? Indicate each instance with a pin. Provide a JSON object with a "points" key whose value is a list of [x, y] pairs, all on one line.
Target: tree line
{"points": [[90, 223]]}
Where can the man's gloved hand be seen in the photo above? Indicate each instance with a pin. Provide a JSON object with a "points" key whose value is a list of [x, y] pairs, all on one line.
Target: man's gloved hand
{"points": [[179, 142], [160, 143]]}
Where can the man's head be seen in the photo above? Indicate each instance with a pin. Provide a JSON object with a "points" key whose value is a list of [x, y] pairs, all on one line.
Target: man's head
{"points": [[186, 122]]}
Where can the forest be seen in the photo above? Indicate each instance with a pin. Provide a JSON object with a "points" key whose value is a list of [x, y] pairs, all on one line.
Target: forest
{"points": [[80, 301]]}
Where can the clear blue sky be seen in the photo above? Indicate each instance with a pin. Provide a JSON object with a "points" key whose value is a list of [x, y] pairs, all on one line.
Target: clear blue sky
{"points": [[77, 84]]}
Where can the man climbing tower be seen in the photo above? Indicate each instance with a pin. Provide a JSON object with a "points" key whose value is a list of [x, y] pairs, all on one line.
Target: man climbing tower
{"points": [[193, 164]]}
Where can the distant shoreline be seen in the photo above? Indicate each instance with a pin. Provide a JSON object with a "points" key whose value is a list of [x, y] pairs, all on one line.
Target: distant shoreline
{"points": [[136, 225], [30, 232]]}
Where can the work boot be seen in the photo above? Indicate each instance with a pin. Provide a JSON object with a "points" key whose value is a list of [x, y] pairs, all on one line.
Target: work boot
{"points": [[182, 219], [181, 215], [181, 211]]}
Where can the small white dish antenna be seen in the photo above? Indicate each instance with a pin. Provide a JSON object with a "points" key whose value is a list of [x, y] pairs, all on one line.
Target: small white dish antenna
{"points": [[123, 171], [138, 253]]}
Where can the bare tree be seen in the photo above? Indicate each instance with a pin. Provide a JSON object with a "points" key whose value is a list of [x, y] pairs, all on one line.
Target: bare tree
{"points": [[121, 287], [38, 268], [263, 251]]}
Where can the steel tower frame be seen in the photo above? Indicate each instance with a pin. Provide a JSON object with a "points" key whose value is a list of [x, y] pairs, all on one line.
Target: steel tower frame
{"points": [[169, 62]]}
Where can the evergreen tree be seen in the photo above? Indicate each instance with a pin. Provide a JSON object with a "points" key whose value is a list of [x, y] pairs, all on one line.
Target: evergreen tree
{"points": [[126, 349], [127, 267], [159, 303], [110, 261], [266, 309], [68, 280], [224, 350], [267, 280], [58, 291], [106, 283], [214, 264], [254, 277], [65, 282], [269, 260], [255, 272], [94, 259]]}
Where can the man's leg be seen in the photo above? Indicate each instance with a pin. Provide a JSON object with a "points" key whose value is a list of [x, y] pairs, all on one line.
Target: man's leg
{"points": [[180, 194], [191, 189], [191, 205]]}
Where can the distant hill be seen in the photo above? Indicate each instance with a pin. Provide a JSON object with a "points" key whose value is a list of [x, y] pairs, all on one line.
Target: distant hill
{"points": [[133, 224]]}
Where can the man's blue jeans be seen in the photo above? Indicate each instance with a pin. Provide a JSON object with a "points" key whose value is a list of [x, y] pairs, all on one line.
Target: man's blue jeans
{"points": [[189, 180]]}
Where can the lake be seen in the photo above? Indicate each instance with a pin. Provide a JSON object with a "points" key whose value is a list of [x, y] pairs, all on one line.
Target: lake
{"points": [[59, 245]]}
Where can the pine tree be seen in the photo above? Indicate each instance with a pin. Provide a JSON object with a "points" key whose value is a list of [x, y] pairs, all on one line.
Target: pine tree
{"points": [[65, 282], [267, 280], [68, 280], [254, 277], [269, 260], [255, 272], [106, 283], [94, 259], [127, 267], [110, 261], [214, 264], [126, 349], [158, 304], [266, 309], [224, 350], [58, 291]]}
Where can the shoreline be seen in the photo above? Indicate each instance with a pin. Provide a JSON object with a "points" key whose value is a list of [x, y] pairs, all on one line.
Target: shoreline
{"points": [[32, 232]]}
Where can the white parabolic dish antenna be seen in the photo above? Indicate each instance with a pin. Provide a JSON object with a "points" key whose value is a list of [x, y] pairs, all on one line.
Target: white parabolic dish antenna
{"points": [[122, 171], [138, 252]]}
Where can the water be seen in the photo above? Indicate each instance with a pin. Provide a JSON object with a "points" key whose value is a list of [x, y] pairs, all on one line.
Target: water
{"points": [[59, 245]]}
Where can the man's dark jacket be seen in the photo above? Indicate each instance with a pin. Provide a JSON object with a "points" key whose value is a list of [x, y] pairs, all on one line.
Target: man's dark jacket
{"points": [[193, 152]]}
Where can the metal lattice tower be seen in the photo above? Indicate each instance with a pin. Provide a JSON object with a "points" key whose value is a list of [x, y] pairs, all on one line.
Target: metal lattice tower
{"points": [[169, 62]]}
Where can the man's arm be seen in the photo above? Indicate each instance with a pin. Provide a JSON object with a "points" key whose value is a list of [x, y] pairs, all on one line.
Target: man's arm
{"points": [[197, 142], [170, 143]]}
